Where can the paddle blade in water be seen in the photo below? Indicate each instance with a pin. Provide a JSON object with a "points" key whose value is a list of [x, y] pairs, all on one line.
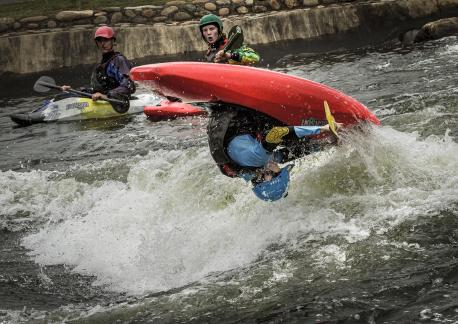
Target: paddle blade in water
{"points": [[44, 84]]}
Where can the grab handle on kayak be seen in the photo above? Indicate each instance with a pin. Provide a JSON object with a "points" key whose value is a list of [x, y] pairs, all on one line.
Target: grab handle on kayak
{"points": [[44, 83]]}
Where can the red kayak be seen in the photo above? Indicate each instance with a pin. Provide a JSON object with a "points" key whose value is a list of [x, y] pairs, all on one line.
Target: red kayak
{"points": [[168, 109], [290, 99]]}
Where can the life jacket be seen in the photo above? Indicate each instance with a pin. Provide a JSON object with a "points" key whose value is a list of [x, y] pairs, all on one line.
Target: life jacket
{"points": [[215, 48], [100, 80], [226, 122]]}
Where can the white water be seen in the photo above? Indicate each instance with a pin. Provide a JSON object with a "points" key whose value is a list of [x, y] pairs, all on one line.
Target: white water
{"points": [[177, 220]]}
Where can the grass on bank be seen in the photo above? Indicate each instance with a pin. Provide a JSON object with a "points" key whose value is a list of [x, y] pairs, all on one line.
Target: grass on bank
{"points": [[29, 8]]}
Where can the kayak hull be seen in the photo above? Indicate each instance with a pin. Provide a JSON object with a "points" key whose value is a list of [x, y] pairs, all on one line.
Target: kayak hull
{"points": [[289, 99], [169, 110], [76, 108]]}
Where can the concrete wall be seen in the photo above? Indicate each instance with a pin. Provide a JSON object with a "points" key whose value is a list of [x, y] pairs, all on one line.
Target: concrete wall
{"points": [[362, 22]]}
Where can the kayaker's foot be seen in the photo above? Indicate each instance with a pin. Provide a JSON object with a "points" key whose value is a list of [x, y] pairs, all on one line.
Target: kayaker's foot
{"points": [[276, 134]]}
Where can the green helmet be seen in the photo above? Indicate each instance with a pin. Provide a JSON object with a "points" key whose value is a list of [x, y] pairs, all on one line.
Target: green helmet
{"points": [[209, 20]]}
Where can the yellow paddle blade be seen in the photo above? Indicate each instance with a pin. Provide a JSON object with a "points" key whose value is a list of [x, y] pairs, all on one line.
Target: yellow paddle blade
{"points": [[330, 119]]}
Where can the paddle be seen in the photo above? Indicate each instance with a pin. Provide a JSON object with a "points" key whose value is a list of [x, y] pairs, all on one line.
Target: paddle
{"points": [[45, 83], [330, 119], [235, 37]]}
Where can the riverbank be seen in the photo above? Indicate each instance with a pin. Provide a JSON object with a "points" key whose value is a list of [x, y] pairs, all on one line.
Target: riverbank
{"points": [[325, 24]]}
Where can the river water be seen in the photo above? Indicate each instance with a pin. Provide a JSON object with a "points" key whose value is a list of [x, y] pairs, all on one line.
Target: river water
{"points": [[130, 221]]}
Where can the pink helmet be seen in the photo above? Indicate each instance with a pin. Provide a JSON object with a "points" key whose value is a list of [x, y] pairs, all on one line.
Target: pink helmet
{"points": [[105, 32]]}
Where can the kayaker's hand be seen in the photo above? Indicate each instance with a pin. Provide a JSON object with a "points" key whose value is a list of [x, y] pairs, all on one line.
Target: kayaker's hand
{"points": [[97, 96], [325, 128], [221, 56], [65, 88]]}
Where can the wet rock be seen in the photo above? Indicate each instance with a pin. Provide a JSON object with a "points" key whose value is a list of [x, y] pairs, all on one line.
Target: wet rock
{"points": [[438, 29], [169, 10], [73, 15], [210, 6], [224, 12], [33, 19]]}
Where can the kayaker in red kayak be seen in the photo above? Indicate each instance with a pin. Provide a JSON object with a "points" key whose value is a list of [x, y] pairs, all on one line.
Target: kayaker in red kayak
{"points": [[245, 144], [110, 78]]}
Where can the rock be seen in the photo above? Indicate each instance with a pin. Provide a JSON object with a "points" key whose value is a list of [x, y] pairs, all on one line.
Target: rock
{"points": [[169, 10], [148, 13], [224, 12], [4, 27], [259, 9], [223, 2], [197, 2], [310, 3], [17, 25], [32, 26], [100, 20], [33, 19], [139, 20], [159, 19], [190, 7], [175, 3], [6, 20], [100, 13], [438, 29], [116, 17], [329, 1], [291, 3], [210, 6], [237, 2], [130, 13], [242, 10], [73, 15], [181, 16], [274, 4], [112, 9], [249, 2], [51, 24]]}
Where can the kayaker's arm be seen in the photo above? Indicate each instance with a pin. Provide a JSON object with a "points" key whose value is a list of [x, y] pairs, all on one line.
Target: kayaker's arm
{"points": [[244, 55]]}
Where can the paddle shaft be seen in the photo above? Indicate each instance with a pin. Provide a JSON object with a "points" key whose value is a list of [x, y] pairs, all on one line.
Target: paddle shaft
{"points": [[81, 93]]}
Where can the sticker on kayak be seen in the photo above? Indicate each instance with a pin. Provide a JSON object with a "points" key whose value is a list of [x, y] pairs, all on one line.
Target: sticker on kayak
{"points": [[313, 122], [77, 105]]}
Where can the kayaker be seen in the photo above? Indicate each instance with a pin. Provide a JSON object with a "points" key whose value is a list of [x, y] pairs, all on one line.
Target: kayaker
{"points": [[245, 144], [211, 29], [110, 78]]}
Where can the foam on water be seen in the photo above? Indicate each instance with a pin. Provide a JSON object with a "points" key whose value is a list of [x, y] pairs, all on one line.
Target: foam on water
{"points": [[176, 220]]}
